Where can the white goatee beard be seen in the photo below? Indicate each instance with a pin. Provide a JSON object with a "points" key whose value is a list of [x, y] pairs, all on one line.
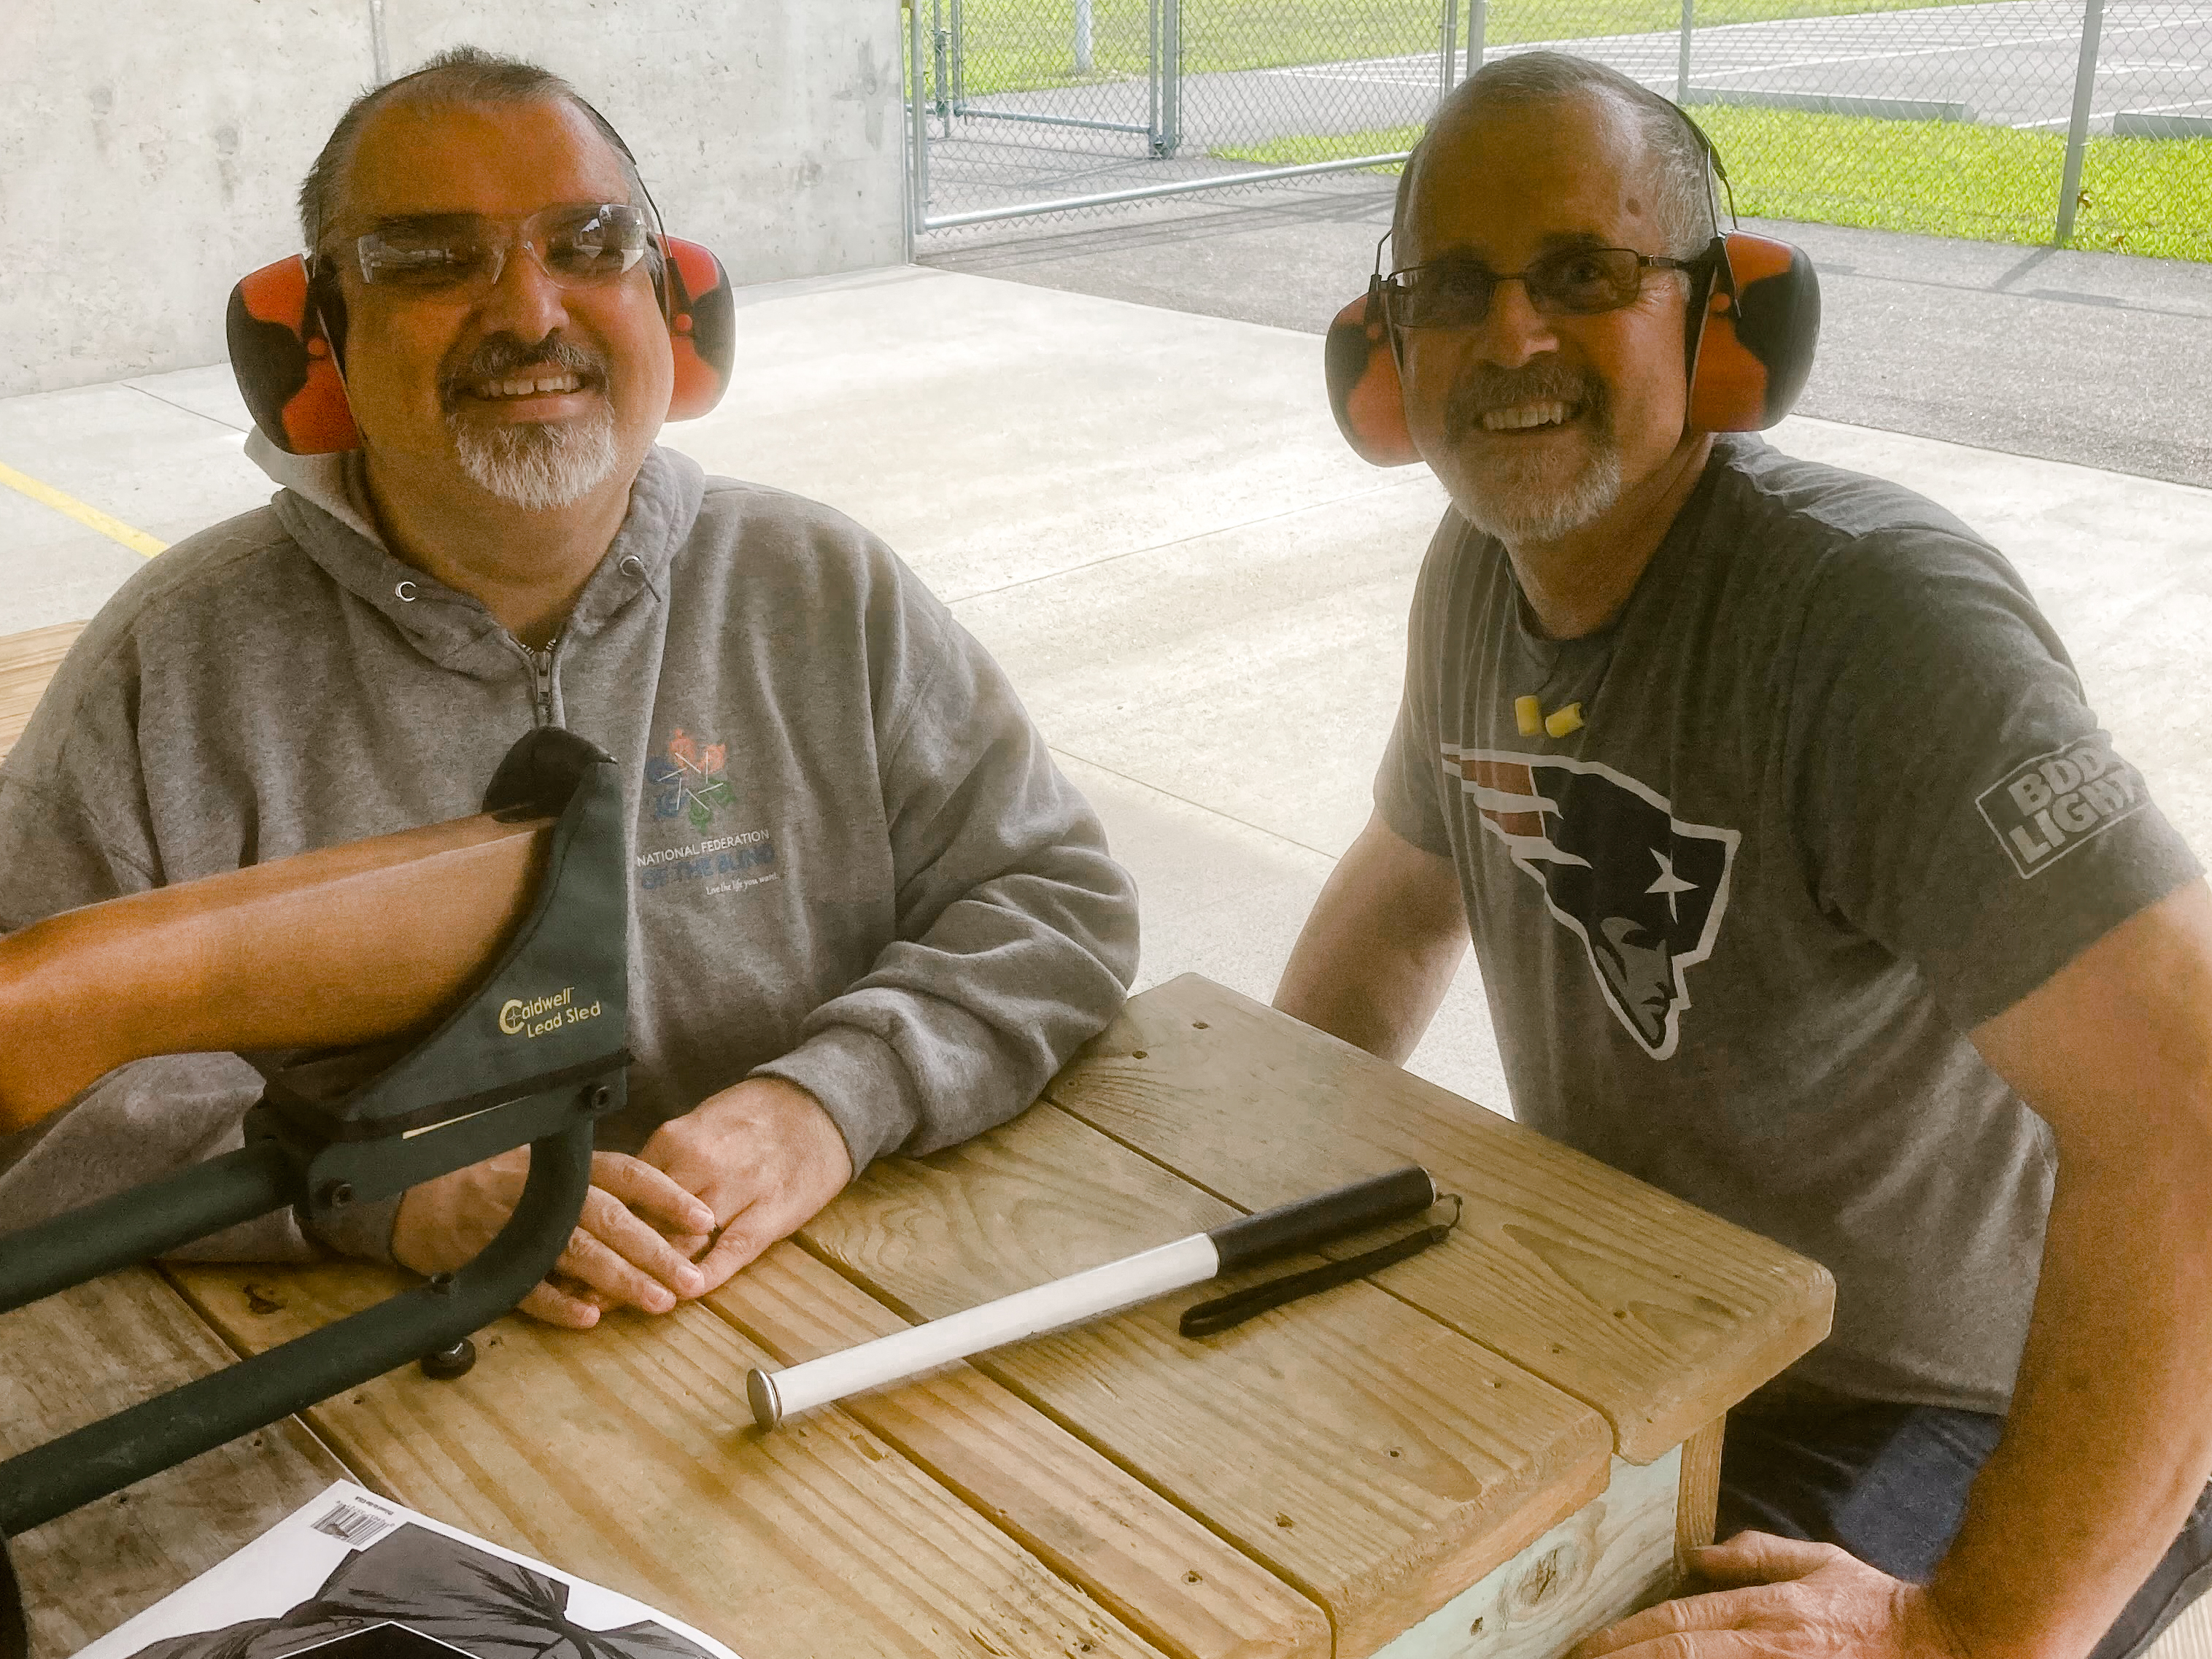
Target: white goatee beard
{"points": [[1519, 511], [1522, 499], [539, 466]]}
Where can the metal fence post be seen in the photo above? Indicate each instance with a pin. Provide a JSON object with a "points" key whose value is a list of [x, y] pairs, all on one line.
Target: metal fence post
{"points": [[1682, 59], [379, 52], [1083, 37], [1167, 135], [1477, 26], [919, 112], [2077, 131], [1447, 49], [959, 60], [938, 40], [1152, 73]]}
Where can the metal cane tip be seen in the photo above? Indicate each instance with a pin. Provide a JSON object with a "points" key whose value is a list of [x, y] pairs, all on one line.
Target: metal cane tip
{"points": [[760, 1391]]}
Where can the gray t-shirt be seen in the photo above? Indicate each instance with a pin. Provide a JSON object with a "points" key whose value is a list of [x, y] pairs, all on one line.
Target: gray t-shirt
{"points": [[1837, 798]]}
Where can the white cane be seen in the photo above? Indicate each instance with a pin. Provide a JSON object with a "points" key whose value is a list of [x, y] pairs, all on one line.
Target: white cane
{"points": [[1302, 1225]]}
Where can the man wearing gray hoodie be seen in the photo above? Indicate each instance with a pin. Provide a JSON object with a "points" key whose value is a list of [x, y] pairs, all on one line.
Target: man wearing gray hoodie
{"points": [[870, 915]]}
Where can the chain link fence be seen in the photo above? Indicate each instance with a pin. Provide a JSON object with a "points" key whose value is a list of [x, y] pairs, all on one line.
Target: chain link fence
{"points": [[2084, 122], [1033, 106]]}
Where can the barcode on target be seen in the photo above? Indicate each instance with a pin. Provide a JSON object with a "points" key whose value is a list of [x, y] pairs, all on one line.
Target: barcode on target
{"points": [[352, 1525]]}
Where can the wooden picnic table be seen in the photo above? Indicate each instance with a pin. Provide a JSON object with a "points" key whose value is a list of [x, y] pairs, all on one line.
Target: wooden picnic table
{"points": [[1489, 1449]]}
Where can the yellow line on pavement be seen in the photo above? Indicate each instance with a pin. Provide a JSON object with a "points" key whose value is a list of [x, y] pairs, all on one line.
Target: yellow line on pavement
{"points": [[114, 529]]}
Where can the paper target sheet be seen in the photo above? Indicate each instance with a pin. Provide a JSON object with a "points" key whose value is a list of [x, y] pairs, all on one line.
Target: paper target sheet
{"points": [[353, 1576]]}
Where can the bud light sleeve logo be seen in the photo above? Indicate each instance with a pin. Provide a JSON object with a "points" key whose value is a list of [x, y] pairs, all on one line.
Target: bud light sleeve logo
{"points": [[2049, 805]]}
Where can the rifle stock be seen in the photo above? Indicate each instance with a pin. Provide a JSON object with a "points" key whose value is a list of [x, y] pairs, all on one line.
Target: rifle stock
{"points": [[326, 948]]}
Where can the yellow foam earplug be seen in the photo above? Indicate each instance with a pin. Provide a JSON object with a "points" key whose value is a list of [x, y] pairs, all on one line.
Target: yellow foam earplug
{"points": [[1562, 721], [1528, 715]]}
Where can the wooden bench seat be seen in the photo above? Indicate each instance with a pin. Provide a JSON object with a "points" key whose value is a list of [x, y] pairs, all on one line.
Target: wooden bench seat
{"points": [[27, 661]]}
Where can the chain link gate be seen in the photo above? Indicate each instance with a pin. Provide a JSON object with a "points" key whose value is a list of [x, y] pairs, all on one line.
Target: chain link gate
{"points": [[1027, 106]]}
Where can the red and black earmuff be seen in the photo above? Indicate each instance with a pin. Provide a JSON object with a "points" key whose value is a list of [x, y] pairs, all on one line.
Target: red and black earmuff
{"points": [[285, 326], [1754, 317], [1753, 325], [282, 359]]}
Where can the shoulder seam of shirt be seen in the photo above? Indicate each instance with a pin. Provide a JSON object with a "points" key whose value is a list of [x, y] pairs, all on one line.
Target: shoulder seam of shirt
{"points": [[938, 613], [1929, 518], [1826, 568], [819, 511], [227, 543], [822, 516], [105, 636], [1829, 569]]}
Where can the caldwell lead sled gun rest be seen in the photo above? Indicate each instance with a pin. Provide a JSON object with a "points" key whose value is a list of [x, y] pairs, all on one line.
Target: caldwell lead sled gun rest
{"points": [[459, 989]]}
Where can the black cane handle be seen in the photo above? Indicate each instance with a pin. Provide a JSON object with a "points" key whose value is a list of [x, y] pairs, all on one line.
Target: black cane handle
{"points": [[1309, 1223], [1224, 1312]]}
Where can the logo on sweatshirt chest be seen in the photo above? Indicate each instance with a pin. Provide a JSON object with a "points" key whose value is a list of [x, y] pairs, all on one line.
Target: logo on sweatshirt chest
{"points": [[686, 780], [687, 785]]}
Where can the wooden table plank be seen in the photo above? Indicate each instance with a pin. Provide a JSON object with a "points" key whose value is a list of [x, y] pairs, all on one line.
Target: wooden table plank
{"points": [[1177, 1585], [627, 1453], [1375, 1458], [1659, 1314], [96, 1350], [27, 661]]}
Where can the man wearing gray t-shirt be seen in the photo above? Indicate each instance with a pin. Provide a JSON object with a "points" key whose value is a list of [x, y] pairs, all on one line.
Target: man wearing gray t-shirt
{"points": [[1805, 887]]}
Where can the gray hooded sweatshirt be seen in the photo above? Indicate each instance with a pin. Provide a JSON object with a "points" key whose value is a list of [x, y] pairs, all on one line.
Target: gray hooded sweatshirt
{"points": [[855, 865]]}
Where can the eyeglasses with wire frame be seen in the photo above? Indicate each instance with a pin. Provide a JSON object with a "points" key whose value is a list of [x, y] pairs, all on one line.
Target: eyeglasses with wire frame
{"points": [[1575, 282], [455, 254]]}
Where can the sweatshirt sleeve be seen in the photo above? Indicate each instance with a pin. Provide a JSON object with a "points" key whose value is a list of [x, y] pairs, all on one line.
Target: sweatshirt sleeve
{"points": [[1017, 933], [75, 831]]}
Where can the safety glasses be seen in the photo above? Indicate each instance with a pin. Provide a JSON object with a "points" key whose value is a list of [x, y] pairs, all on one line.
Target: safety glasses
{"points": [[1456, 292], [460, 254]]}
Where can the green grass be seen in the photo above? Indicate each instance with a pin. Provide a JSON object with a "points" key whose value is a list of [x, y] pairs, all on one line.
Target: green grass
{"points": [[2149, 196], [1029, 45]]}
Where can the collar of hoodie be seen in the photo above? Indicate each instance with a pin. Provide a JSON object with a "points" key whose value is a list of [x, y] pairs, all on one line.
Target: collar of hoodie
{"points": [[323, 507]]}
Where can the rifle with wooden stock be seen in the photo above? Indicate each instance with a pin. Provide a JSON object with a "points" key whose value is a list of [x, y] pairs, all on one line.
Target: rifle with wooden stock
{"points": [[416, 1003]]}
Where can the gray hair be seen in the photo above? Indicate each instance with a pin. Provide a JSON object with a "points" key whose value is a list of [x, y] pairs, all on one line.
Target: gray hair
{"points": [[465, 75], [1681, 164]]}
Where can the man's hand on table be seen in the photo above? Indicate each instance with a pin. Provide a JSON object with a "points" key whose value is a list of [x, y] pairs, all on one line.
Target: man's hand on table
{"points": [[1777, 1598], [763, 1157], [620, 1254], [706, 1193]]}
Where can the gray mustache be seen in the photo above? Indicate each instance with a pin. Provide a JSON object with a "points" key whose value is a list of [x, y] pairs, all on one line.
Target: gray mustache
{"points": [[1486, 388], [503, 354]]}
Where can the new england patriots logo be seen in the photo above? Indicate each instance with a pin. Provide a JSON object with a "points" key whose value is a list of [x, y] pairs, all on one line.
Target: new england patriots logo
{"points": [[1642, 890]]}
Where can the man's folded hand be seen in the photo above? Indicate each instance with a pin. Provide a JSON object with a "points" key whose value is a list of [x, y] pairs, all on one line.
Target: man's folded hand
{"points": [[619, 1255], [764, 1156]]}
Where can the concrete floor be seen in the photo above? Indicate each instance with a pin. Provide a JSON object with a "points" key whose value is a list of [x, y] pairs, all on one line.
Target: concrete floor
{"points": [[2100, 358], [1148, 516]]}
